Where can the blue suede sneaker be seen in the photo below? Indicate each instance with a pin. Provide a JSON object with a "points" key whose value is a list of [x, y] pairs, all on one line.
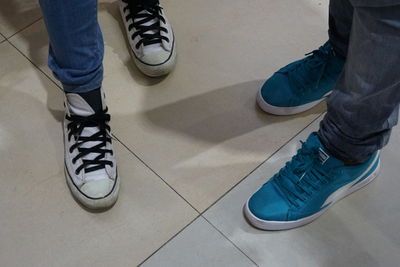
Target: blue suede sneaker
{"points": [[306, 187], [302, 84]]}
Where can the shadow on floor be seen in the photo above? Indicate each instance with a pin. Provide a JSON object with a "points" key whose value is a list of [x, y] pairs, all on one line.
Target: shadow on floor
{"points": [[219, 115]]}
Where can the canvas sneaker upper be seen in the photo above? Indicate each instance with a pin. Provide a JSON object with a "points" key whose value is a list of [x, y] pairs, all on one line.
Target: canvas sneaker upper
{"points": [[89, 155]]}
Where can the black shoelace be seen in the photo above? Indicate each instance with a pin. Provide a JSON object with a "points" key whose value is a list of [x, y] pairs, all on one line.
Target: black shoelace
{"points": [[150, 34], [75, 128]]}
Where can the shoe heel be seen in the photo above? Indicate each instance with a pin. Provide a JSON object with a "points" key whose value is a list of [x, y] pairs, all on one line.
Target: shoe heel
{"points": [[367, 180]]}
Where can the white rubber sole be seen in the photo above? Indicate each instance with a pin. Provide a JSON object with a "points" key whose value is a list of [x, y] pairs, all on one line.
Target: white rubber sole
{"points": [[156, 70], [285, 225], [284, 111], [94, 203]]}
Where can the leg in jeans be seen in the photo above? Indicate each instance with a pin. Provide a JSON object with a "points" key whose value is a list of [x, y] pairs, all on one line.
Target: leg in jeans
{"points": [[76, 43], [364, 106], [362, 109], [75, 56], [340, 22]]}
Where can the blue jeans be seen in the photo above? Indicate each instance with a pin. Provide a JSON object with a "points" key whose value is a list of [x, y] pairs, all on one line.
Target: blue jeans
{"points": [[76, 43], [364, 106]]}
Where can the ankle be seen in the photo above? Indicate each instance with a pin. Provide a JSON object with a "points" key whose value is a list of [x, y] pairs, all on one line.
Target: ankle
{"points": [[346, 160]]}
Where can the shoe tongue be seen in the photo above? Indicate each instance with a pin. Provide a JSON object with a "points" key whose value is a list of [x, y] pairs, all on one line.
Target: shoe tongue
{"points": [[85, 104], [325, 158]]}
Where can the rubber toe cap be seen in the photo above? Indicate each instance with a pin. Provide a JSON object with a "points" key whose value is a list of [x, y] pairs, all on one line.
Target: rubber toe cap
{"points": [[156, 58], [98, 189]]}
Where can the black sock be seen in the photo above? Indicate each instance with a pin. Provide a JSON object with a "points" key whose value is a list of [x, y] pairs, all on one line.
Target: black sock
{"points": [[147, 2], [93, 98]]}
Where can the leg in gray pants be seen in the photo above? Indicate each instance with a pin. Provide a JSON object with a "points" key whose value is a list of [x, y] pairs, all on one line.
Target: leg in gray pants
{"points": [[365, 103]]}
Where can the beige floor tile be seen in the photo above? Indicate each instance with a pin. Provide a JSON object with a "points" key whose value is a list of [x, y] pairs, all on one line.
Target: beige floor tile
{"points": [[41, 224], [1, 38], [199, 127], [360, 230], [17, 14], [33, 42], [198, 245]]}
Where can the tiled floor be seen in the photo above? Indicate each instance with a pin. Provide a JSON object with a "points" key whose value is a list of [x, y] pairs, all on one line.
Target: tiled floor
{"points": [[39, 219], [184, 141], [204, 111], [17, 14], [361, 230]]}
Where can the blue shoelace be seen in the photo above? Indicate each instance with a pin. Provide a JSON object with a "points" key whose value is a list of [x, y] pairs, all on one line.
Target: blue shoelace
{"points": [[315, 63], [301, 176]]}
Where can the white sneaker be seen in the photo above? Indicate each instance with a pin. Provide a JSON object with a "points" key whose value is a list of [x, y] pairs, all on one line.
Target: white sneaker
{"points": [[90, 165], [150, 36]]}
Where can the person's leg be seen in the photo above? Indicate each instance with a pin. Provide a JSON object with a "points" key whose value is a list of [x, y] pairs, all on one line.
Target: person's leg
{"points": [[344, 156], [76, 43], [340, 22], [364, 106], [76, 56]]}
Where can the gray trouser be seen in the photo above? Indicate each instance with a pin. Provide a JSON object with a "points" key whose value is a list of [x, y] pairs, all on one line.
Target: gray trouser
{"points": [[365, 103]]}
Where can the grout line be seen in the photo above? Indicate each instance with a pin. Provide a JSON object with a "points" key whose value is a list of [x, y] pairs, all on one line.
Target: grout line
{"points": [[212, 204], [134, 154], [163, 245], [153, 171], [230, 241], [215, 227], [36, 66], [25, 27], [201, 214], [4, 38], [195, 219], [234, 186], [273, 154]]}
